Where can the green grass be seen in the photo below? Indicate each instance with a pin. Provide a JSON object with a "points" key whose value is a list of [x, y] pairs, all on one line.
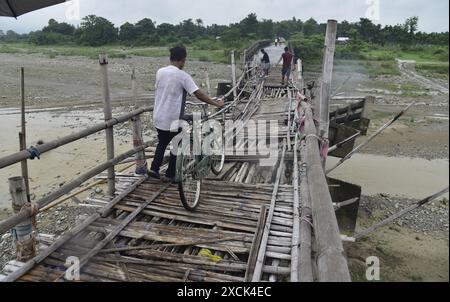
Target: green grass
{"points": [[416, 53], [376, 60], [113, 51], [436, 70], [371, 68]]}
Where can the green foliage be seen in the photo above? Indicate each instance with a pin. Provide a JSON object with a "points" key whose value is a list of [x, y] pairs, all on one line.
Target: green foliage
{"points": [[436, 70], [12, 36], [368, 41], [308, 48], [48, 38], [63, 28], [96, 31]]}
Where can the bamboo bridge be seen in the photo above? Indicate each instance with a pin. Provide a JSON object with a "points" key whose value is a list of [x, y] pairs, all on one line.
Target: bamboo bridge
{"points": [[254, 223]]}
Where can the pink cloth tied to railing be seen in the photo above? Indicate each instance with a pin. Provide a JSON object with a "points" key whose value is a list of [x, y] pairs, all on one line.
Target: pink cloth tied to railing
{"points": [[302, 124], [324, 148]]}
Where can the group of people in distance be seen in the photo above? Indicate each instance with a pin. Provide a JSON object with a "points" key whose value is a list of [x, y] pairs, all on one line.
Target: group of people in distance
{"points": [[287, 57]]}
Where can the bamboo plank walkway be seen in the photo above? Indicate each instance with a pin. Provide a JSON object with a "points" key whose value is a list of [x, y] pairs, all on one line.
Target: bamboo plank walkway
{"points": [[249, 225], [164, 242]]}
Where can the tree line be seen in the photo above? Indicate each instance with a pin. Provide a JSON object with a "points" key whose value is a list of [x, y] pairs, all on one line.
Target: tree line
{"points": [[98, 31]]}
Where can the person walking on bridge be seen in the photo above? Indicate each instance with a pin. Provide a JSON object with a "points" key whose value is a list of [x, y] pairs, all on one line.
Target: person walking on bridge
{"points": [[265, 62], [172, 86], [287, 58]]}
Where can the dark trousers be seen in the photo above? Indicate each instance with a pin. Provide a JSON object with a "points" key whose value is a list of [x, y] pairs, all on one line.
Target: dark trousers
{"points": [[164, 138]]}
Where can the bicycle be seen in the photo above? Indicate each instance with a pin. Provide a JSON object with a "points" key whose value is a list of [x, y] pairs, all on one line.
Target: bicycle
{"points": [[194, 165]]}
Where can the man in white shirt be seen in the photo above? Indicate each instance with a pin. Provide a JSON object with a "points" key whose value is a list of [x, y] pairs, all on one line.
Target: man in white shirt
{"points": [[172, 87]]}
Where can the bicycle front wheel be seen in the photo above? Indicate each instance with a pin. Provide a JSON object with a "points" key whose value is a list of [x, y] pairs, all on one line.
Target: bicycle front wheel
{"points": [[188, 187]]}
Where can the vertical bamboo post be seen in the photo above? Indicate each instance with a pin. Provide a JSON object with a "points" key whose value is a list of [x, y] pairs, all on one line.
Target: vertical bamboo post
{"points": [[23, 133], [23, 237], [103, 59], [300, 69], [208, 82], [327, 73], [233, 74], [138, 140]]}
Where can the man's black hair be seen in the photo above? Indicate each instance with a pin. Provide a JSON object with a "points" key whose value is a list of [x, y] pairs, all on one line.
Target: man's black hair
{"points": [[178, 53], [286, 49], [263, 50]]}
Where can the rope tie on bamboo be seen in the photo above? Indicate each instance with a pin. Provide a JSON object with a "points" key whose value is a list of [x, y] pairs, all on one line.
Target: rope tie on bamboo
{"points": [[33, 209], [34, 153], [26, 249], [313, 136], [308, 220]]}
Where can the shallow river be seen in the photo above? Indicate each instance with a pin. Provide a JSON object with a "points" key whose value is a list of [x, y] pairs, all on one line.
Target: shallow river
{"points": [[409, 177], [57, 166]]}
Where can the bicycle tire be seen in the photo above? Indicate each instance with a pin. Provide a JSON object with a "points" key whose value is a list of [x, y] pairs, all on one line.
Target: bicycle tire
{"points": [[189, 198]]}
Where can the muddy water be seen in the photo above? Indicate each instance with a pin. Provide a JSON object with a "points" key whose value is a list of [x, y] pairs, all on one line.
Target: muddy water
{"points": [[409, 177], [58, 166]]}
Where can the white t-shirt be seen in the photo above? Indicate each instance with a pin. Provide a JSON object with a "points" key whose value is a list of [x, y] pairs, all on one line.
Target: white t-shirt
{"points": [[172, 85]]}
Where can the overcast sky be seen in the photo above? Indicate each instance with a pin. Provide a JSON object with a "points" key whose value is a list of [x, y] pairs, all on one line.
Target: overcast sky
{"points": [[433, 14]]}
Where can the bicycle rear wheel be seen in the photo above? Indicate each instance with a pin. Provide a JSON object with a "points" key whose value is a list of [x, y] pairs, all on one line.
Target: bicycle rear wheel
{"points": [[188, 186]]}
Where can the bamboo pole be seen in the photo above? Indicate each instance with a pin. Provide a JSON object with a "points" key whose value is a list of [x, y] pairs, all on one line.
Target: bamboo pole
{"points": [[58, 202], [295, 252], [23, 133], [289, 122], [233, 74], [10, 222], [208, 82], [372, 137], [257, 274], [344, 142], [22, 155], [116, 231], [254, 250], [331, 263], [325, 85], [43, 255], [23, 238], [138, 140], [400, 214], [24, 164], [306, 268], [103, 60]]}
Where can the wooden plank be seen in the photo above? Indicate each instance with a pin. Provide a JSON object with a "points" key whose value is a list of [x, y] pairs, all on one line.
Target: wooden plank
{"points": [[253, 255], [257, 274], [295, 253], [331, 262], [118, 229]]}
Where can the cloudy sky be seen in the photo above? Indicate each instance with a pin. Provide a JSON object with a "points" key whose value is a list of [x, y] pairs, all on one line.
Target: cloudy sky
{"points": [[433, 14]]}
